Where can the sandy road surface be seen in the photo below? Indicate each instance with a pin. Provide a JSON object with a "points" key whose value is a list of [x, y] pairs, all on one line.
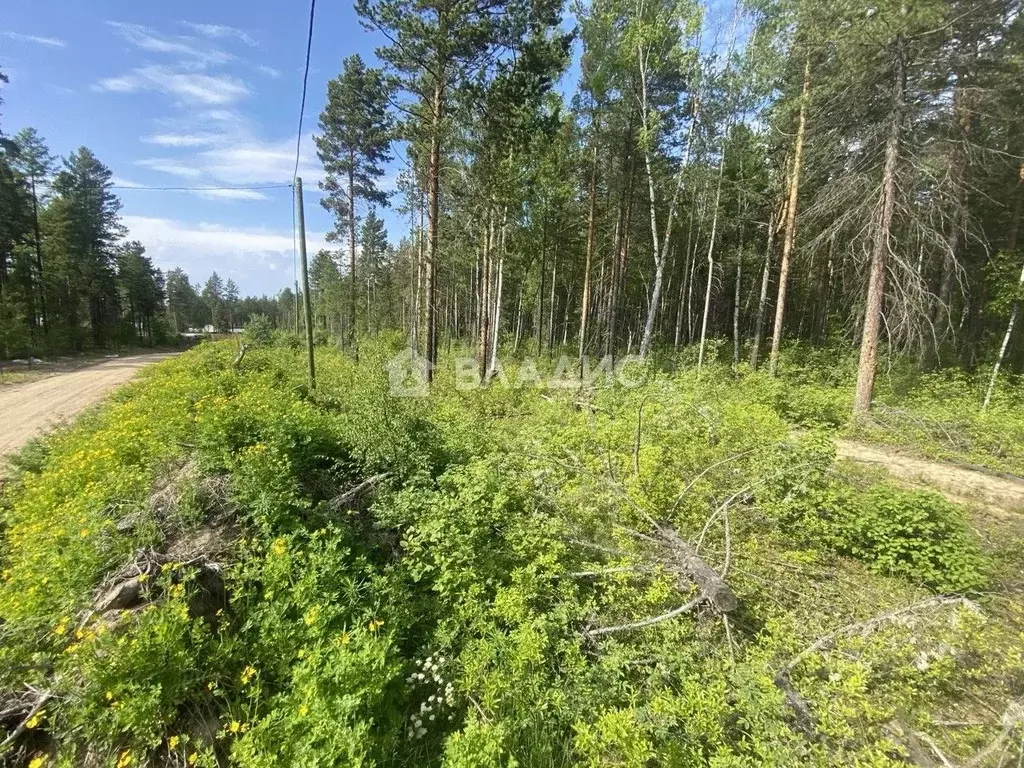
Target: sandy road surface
{"points": [[959, 484], [30, 408]]}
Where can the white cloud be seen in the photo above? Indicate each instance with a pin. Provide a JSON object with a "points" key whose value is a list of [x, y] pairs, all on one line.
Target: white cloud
{"points": [[173, 167], [118, 181], [255, 162], [259, 258], [269, 71], [181, 139], [225, 193], [53, 42], [189, 87], [147, 39], [220, 31]]}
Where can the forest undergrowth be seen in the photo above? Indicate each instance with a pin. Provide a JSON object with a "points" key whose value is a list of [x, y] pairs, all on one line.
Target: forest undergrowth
{"points": [[221, 567]]}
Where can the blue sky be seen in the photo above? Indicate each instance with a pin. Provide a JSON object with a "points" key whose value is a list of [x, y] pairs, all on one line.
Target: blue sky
{"points": [[187, 94]]}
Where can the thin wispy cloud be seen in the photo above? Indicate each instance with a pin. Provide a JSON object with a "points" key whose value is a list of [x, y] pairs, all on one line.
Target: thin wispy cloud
{"points": [[181, 139], [188, 87], [230, 194], [119, 181], [189, 47], [52, 42], [172, 167], [256, 162], [269, 71], [221, 31]]}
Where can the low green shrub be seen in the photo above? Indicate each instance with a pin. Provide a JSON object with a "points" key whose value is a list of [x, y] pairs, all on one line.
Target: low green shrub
{"points": [[917, 535]]}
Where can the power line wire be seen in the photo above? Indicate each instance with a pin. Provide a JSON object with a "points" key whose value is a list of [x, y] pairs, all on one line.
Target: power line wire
{"points": [[305, 78], [280, 185]]}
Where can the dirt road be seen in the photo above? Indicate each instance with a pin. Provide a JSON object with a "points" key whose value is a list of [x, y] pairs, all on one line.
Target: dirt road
{"points": [[28, 409], [958, 484]]}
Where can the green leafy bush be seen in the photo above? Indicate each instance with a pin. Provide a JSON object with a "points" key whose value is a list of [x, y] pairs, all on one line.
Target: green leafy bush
{"points": [[259, 331], [915, 534]]}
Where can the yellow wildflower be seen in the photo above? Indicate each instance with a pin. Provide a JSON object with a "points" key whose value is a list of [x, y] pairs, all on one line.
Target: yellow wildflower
{"points": [[109, 695], [36, 719], [235, 726], [124, 760], [172, 743], [192, 758], [303, 710], [345, 639], [37, 762], [247, 674], [376, 624]]}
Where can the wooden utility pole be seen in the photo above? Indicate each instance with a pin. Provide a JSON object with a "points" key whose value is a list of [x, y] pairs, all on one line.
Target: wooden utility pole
{"points": [[307, 307]]}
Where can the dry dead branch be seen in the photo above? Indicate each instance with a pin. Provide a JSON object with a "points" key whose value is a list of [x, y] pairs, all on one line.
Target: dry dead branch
{"points": [[38, 701], [242, 349], [356, 493]]}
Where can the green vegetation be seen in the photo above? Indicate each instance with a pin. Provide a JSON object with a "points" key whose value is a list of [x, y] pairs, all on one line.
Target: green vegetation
{"points": [[352, 578]]}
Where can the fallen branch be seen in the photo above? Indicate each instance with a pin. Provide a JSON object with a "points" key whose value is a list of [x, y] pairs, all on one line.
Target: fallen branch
{"points": [[40, 703], [872, 624], [647, 622], [602, 572], [804, 718], [699, 475], [343, 500], [242, 349], [1012, 717], [930, 743], [711, 585]]}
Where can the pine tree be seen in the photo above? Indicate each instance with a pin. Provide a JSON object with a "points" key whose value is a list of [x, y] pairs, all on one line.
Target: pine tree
{"points": [[434, 45], [34, 161], [83, 225], [231, 301], [353, 147], [213, 299]]}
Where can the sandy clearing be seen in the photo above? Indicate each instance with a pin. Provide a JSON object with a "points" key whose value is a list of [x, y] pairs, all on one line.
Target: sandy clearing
{"points": [[31, 408], [958, 484]]}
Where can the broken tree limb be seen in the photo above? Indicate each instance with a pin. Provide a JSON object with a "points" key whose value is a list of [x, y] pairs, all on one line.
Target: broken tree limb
{"points": [[711, 585], [873, 623], [20, 729], [356, 492], [242, 349], [647, 622], [1012, 717], [803, 717]]}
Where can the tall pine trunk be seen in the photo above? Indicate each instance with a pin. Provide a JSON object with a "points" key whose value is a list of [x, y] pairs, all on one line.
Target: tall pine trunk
{"points": [[433, 227], [790, 237], [352, 255], [762, 299], [880, 248], [711, 263], [591, 242]]}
